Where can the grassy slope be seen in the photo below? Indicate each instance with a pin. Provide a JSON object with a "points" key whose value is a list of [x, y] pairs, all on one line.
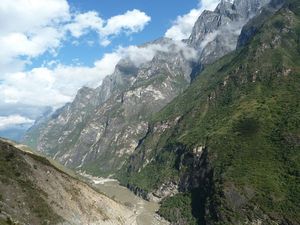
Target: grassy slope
{"points": [[246, 110], [14, 172]]}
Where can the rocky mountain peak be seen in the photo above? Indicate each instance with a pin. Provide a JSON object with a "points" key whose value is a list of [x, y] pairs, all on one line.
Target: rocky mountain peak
{"points": [[216, 32], [226, 8], [85, 92], [126, 67]]}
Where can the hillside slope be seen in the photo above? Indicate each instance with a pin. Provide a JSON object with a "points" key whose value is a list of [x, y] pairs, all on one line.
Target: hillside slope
{"points": [[33, 191], [231, 142]]}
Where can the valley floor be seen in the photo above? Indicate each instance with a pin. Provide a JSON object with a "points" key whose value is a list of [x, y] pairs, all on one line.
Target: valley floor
{"points": [[145, 211]]}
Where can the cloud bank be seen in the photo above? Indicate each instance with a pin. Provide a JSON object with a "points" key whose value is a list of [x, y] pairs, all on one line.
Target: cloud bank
{"points": [[32, 28], [54, 87]]}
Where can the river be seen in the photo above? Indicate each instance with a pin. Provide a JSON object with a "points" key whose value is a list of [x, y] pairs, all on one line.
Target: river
{"points": [[145, 211]]}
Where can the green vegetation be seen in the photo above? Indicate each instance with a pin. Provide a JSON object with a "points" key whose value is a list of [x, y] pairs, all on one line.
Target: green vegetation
{"points": [[246, 110], [6, 221], [178, 209], [161, 170], [184, 208]]}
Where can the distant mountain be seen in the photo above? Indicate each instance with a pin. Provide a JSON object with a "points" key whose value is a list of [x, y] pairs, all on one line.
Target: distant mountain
{"points": [[102, 127], [33, 191], [227, 150], [15, 133]]}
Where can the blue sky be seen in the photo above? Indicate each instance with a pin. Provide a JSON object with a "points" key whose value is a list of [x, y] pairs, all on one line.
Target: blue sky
{"points": [[162, 13], [51, 48]]}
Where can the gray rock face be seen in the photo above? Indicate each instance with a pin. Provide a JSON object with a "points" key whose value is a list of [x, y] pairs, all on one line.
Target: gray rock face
{"points": [[216, 32], [168, 189], [102, 127]]}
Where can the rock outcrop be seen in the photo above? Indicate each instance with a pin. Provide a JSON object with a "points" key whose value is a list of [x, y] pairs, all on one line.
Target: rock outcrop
{"points": [[216, 33]]}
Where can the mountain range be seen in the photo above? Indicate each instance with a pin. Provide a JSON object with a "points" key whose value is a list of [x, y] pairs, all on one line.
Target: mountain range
{"points": [[102, 127], [208, 126]]}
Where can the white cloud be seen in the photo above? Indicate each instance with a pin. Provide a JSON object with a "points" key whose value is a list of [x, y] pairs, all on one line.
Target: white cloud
{"points": [[31, 88], [54, 87], [107, 64], [30, 15], [13, 120], [84, 22], [140, 55], [183, 25], [29, 28], [19, 44], [130, 22], [105, 42]]}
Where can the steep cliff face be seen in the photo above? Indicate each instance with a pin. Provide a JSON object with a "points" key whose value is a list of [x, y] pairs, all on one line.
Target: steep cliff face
{"points": [[102, 127], [230, 142], [33, 191], [115, 128]]}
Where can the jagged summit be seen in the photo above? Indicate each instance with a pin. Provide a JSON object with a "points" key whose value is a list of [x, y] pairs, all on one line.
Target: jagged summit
{"points": [[216, 32]]}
